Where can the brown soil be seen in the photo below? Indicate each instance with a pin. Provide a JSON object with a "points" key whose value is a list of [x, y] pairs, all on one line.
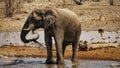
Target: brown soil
{"points": [[27, 51]]}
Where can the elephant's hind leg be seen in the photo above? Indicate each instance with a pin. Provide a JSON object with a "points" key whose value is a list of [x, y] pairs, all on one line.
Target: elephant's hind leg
{"points": [[63, 48], [58, 40], [74, 47]]}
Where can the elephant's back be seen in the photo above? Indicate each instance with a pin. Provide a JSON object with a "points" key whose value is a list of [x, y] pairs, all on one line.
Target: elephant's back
{"points": [[69, 17], [67, 12]]}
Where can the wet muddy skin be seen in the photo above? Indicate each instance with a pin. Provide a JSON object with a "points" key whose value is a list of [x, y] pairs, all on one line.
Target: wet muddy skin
{"points": [[40, 63]]}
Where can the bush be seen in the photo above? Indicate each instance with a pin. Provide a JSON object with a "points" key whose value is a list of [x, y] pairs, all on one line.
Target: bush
{"points": [[12, 6], [111, 2]]}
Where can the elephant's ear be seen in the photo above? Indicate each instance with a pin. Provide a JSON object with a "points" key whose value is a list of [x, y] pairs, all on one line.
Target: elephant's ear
{"points": [[35, 15], [49, 21]]}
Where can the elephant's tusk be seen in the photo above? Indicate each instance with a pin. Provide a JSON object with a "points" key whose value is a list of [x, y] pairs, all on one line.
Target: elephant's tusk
{"points": [[31, 26], [27, 29]]}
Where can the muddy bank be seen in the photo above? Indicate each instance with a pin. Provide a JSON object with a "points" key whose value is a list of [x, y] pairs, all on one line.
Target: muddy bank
{"points": [[27, 51]]}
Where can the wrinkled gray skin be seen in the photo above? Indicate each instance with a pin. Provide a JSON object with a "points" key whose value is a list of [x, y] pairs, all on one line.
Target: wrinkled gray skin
{"points": [[61, 24]]}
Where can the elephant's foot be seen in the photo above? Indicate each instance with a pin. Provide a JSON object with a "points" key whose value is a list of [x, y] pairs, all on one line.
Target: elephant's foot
{"points": [[60, 61], [50, 61], [74, 60]]}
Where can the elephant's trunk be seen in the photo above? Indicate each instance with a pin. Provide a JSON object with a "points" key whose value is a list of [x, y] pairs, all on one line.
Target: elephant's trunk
{"points": [[23, 36], [25, 31]]}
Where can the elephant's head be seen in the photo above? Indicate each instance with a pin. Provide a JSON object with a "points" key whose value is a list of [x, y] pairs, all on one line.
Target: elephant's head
{"points": [[39, 18]]}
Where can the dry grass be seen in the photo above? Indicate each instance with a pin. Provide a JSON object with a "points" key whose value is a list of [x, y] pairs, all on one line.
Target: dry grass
{"points": [[100, 16]]}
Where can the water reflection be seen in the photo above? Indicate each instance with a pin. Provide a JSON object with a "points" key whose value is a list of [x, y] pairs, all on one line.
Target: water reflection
{"points": [[50, 66], [40, 63], [55, 66], [61, 66], [75, 66]]}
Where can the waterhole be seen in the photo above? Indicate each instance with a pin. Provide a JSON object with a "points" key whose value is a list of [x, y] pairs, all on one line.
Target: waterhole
{"points": [[40, 63], [7, 38]]}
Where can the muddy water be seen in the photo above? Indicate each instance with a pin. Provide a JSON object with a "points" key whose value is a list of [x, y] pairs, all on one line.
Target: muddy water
{"points": [[90, 36], [40, 63]]}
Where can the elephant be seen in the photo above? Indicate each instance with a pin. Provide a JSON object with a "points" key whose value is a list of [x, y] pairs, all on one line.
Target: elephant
{"points": [[61, 24]]}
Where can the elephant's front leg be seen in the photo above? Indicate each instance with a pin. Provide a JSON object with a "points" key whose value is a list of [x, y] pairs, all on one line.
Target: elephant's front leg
{"points": [[58, 40], [48, 41]]}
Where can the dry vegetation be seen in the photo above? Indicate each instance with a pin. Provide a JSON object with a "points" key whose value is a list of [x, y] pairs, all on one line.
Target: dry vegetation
{"points": [[99, 14]]}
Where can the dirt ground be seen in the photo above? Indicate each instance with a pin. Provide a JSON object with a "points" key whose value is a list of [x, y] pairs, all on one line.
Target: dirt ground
{"points": [[27, 51], [99, 14]]}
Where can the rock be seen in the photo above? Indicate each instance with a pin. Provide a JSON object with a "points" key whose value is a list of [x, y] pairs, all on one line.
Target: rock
{"points": [[102, 45], [2, 56], [83, 45], [115, 65]]}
